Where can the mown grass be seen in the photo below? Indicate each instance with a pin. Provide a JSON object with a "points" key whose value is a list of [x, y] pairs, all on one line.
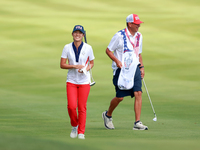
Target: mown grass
{"points": [[33, 112]]}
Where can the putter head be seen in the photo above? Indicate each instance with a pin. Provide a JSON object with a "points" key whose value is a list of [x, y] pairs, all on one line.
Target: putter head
{"points": [[155, 119], [93, 83]]}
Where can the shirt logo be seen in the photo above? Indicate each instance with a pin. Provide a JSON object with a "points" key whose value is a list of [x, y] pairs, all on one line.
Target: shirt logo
{"points": [[83, 53]]}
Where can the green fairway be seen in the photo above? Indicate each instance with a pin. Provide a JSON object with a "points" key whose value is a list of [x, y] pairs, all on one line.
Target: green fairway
{"points": [[33, 108]]}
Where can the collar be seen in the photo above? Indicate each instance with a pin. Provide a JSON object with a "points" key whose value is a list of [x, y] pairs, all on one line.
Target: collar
{"points": [[130, 33], [77, 52]]}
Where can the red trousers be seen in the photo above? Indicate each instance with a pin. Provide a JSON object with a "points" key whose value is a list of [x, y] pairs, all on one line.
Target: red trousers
{"points": [[77, 95]]}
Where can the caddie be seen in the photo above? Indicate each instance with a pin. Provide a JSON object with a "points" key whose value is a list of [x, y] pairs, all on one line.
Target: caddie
{"points": [[125, 50]]}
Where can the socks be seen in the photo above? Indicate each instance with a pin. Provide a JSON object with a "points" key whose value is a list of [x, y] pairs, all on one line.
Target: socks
{"points": [[108, 116], [137, 121]]}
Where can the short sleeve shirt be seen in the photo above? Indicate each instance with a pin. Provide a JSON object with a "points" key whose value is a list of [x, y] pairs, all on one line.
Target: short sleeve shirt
{"points": [[86, 55], [116, 45]]}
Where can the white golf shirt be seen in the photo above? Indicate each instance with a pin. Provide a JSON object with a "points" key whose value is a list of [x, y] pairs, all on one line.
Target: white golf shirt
{"points": [[86, 55], [117, 45]]}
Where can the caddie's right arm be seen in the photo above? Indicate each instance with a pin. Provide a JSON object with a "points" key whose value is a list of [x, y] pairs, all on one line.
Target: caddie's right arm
{"points": [[112, 56]]}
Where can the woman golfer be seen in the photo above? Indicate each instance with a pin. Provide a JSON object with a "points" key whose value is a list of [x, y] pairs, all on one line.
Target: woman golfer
{"points": [[80, 59]]}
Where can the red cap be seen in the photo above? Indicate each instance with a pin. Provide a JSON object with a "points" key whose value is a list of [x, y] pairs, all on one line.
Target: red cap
{"points": [[133, 18]]}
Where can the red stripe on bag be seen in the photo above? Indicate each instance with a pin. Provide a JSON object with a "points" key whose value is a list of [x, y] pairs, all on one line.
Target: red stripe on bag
{"points": [[87, 61]]}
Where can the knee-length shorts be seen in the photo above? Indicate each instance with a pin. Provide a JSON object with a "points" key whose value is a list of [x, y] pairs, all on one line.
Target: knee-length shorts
{"points": [[137, 84]]}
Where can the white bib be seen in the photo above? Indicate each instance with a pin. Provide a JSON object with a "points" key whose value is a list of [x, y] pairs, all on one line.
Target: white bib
{"points": [[129, 63]]}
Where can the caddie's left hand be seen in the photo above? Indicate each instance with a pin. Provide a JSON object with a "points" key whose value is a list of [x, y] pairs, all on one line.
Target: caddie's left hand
{"points": [[142, 72]]}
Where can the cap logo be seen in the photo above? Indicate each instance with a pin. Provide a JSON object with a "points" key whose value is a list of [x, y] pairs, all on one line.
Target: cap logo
{"points": [[137, 18], [79, 27]]}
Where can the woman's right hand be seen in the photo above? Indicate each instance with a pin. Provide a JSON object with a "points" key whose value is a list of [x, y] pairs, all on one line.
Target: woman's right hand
{"points": [[78, 66]]}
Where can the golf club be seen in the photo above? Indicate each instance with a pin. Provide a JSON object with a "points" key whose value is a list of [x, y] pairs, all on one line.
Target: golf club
{"points": [[92, 82], [155, 118]]}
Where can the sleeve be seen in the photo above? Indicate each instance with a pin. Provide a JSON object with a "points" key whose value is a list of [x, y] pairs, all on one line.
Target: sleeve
{"points": [[64, 52], [140, 47], [113, 45]]}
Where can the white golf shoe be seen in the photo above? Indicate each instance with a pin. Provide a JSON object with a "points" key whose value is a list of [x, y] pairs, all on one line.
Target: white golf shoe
{"points": [[107, 121], [81, 136], [73, 133], [139, 126]]}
